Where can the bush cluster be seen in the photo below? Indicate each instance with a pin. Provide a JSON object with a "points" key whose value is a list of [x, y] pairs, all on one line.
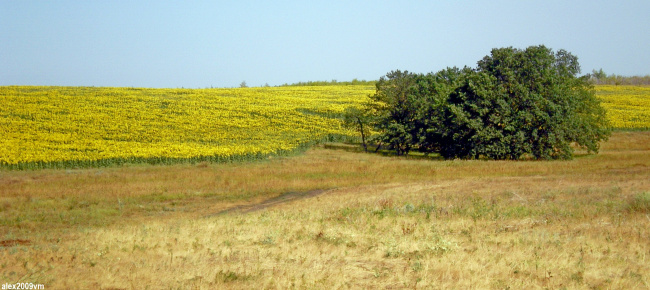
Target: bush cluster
{"points": [[515, 103]]}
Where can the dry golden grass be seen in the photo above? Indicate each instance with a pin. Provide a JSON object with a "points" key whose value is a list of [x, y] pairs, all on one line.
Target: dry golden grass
{"points": [[369, 222]]}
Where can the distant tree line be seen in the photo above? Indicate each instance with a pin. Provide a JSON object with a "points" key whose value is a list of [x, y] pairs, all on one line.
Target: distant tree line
{"points": [[599, 77], [515, 103], [332, 83], [354, 82]]}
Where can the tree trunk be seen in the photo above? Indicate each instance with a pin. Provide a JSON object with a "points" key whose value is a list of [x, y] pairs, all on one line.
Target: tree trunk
{"points": [[363, 135]]}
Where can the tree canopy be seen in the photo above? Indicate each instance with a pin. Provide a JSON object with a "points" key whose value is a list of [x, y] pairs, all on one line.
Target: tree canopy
{"points": [[514, 103]]}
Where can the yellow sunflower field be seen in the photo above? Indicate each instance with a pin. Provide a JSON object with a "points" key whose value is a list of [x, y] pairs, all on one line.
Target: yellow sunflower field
{"points": [[67, 127], [628, 107], [63, 127]]}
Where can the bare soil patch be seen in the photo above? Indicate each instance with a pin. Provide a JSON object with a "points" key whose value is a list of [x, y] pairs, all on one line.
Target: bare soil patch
{"points": [[281, 199]]}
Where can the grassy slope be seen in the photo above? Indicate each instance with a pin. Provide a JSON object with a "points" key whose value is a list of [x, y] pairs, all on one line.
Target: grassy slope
{"points": [[382, 222]]}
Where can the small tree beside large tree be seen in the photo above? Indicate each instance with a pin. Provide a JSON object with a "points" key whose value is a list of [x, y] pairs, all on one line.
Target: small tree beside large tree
{"points": [[515, 103]]}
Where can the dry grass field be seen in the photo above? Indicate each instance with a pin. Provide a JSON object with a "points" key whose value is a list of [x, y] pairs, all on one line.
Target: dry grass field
{"points": [[335, 218]]}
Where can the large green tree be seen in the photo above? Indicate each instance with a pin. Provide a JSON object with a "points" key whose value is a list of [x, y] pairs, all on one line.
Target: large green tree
{"points": [[515, 103], [395, 109]]}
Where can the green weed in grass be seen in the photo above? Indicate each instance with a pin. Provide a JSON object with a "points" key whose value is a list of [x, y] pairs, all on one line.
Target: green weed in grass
{"points": [[640, 203]]}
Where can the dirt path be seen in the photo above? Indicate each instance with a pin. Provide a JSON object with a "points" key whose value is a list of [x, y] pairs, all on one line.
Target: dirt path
{"points": [[281, 199]]}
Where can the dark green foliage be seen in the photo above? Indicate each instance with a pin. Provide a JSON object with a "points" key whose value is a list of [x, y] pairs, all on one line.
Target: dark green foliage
{"points": [[434, 90], [477, 121], [515, 102], [395, 109]]}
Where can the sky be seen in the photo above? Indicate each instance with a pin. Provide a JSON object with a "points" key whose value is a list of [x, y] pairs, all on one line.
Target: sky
{"points": [[200, 44]]}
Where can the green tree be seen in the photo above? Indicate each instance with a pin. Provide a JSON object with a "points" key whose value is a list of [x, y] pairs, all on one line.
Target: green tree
{"points": [[477, 121], [599, 75], [359, 120], [394, 108], [434, 91], [542, 105]]}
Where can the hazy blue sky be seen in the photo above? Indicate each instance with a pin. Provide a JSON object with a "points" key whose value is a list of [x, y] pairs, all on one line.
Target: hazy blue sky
{"points": [[200, 44]]}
